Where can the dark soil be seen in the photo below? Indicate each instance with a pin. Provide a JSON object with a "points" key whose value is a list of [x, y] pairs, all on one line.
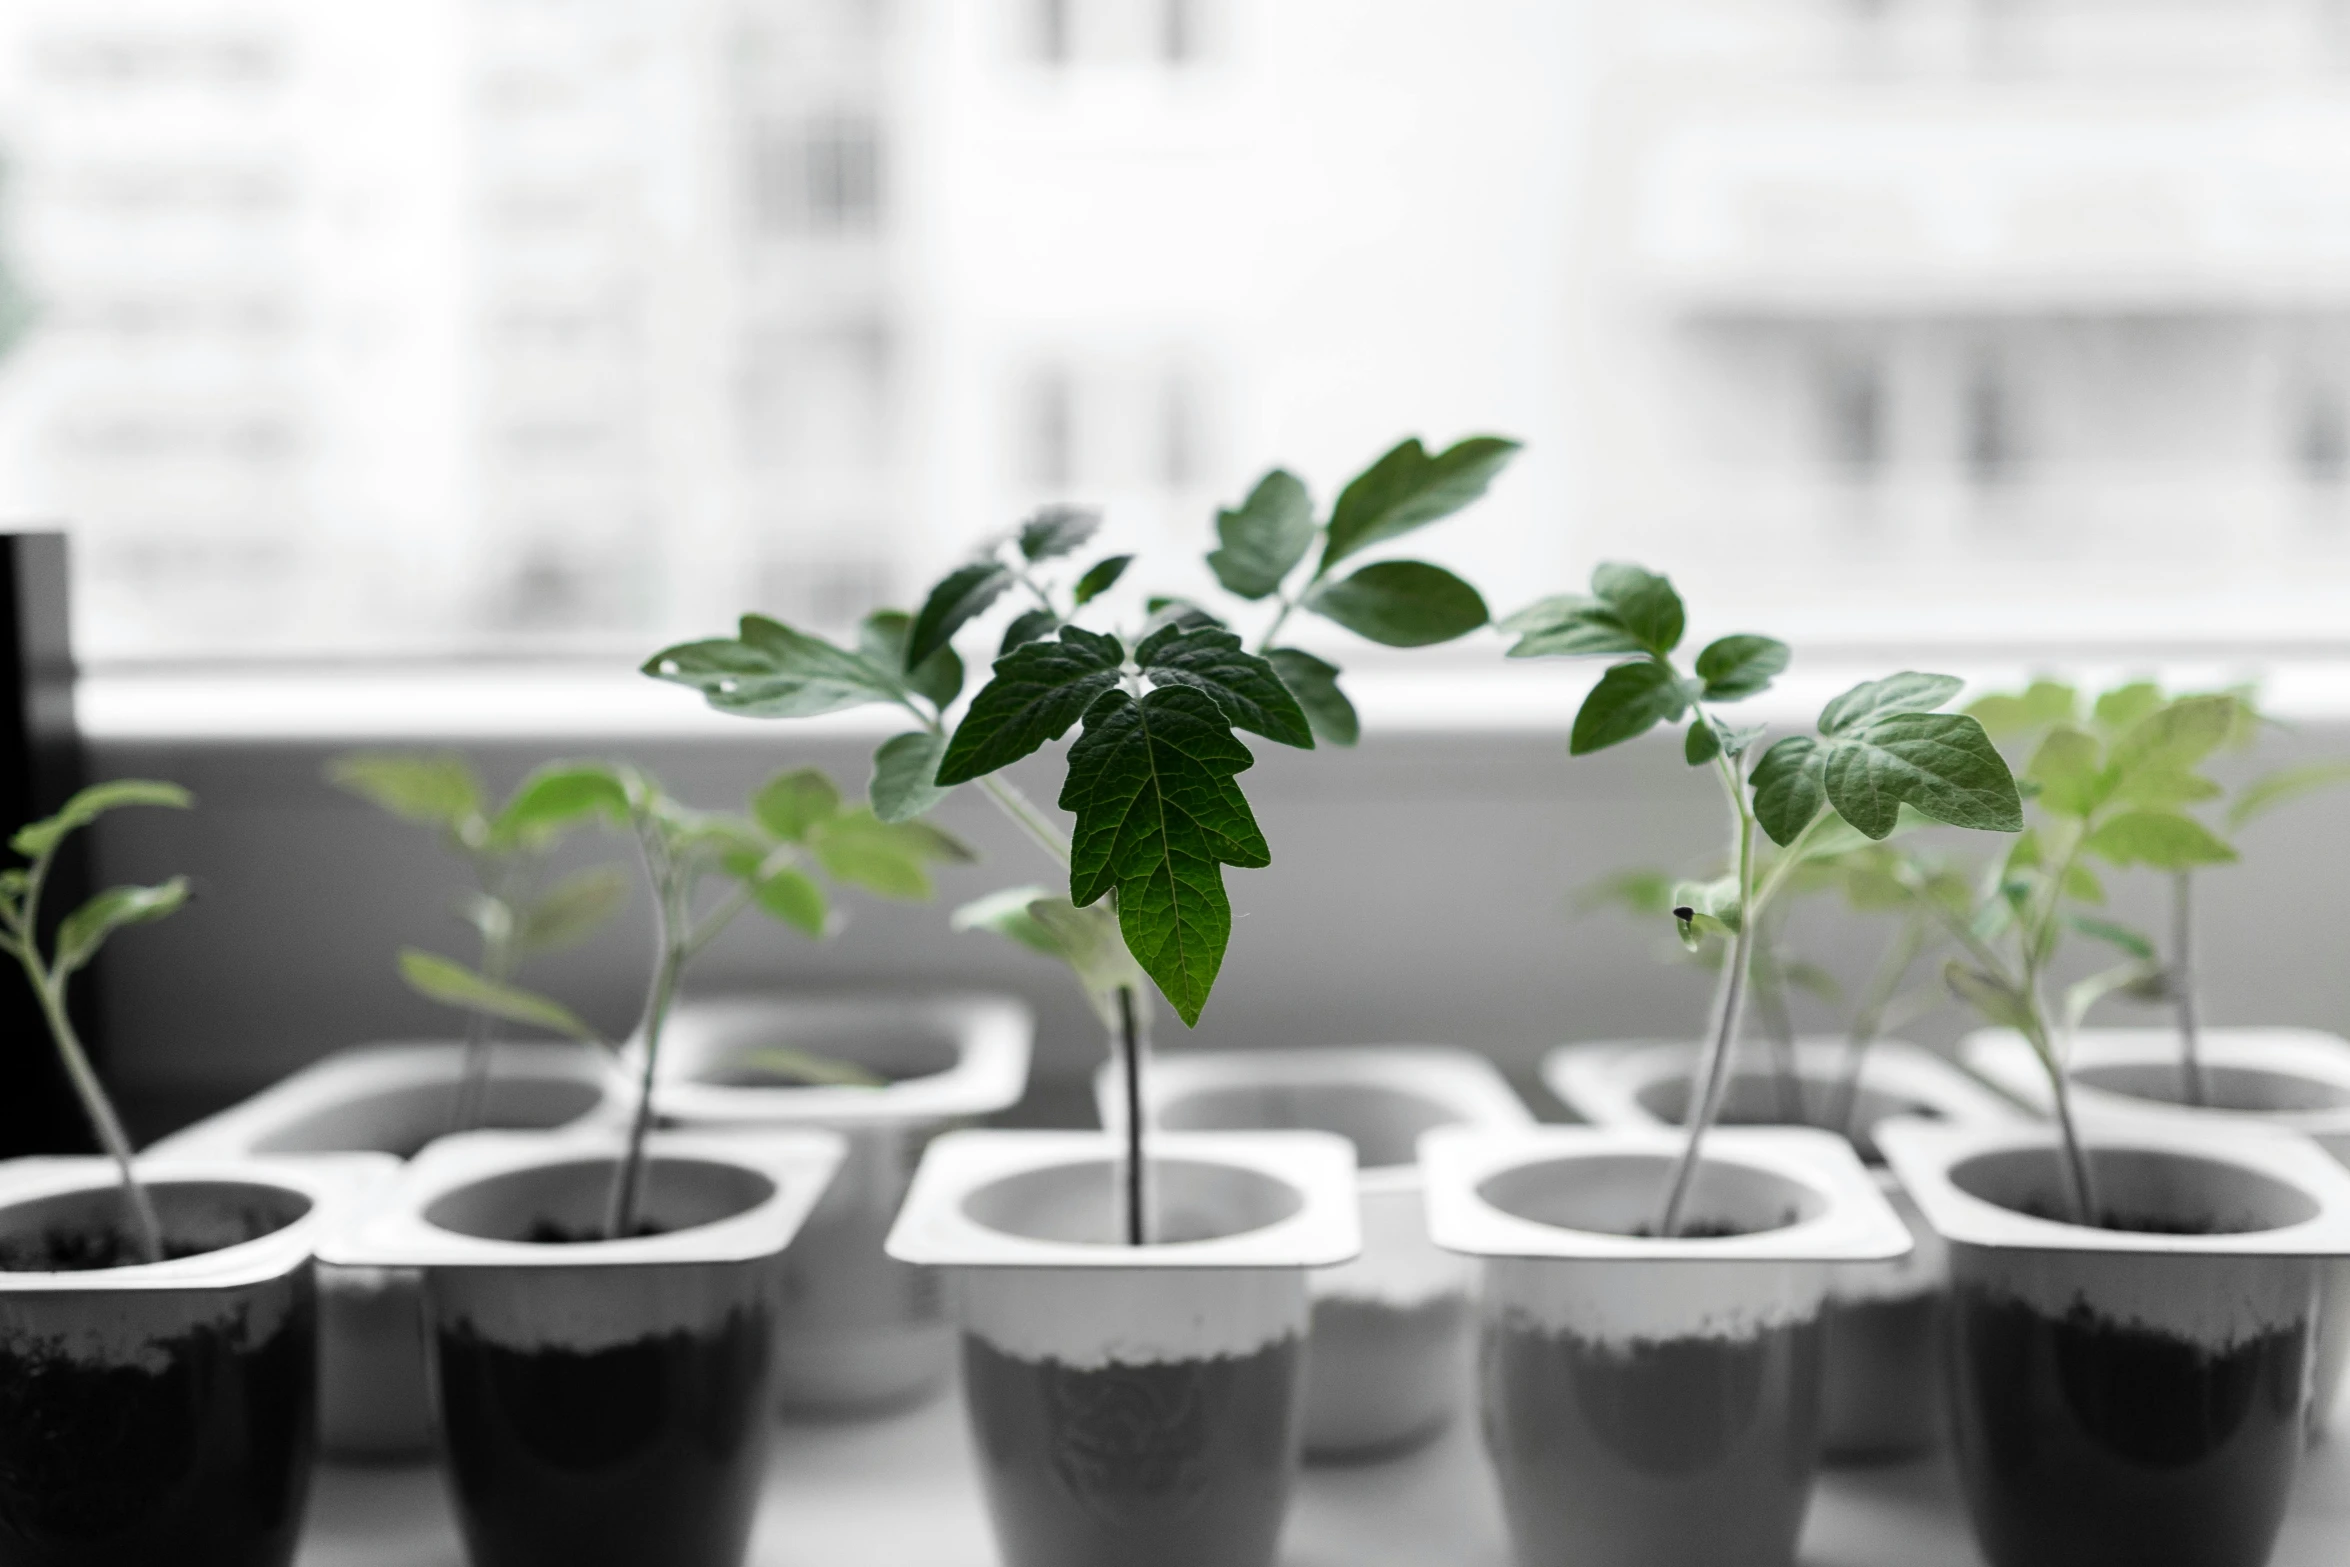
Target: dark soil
{"points": [[646, 1452], [1713, 1229], [1182, 1463], [200, 1461], [82, 1250], [2082, 1440], [548, 1232], [2127, 1222]]}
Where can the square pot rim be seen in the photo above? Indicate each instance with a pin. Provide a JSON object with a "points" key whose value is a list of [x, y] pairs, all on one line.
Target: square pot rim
{"points": [[798, 1163], [337, 1185], [2289, 1050], [1463, 1082], [1923, 1153], [1855, 1224], [363, 1071], [1601, 1079], [932, 1228], [994, 1036]]}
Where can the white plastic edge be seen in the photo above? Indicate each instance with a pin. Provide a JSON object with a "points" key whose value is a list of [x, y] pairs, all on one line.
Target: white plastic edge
{"points": [[337, 1185], [1855, 1223], [993, 1038], [1923, 1153], [1602, 1081], [358, 1073], [933, 1229], [396, 1234], [2003, 1056]]}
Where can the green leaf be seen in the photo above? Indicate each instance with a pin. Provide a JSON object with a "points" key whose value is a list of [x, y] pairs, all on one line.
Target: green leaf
{"points": [[1315, 685], [1407, 489], [792, 897], [2085, 994], [1094, 947], [572, 910], [555, 797], [1158, 816], [1169, 611], [1703, 743], [961, 595], [1643, 603], [439, 789], [2043, 703], [1058, 530], [2069, 770], [883, 637], [2264, 794], [1246, 687], [1039, 690], [1006, 914], [1941, 764], [453, 984], [2154, 786], [42, 837], [773, 671], [1907, 692], [2164, 840], [885, 858], [2176, 736], [84, 931], [1629, 700], [1736, 667], [791, 804], [1569, 626], [1099, 578], [1789, 787], [2132, 942], [1644, 893], [903, 770], [2124, 706], [1261, 543], [1026, 627], [1993, 999], [1401, 603]]}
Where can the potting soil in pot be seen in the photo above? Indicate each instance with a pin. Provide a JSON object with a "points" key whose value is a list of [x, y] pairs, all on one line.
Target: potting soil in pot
{"points": [[140, 1427]]}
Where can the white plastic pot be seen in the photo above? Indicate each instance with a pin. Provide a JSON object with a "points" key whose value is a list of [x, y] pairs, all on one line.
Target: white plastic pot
{"points": [[164, 1411], [1882, 1385], [2297, 1078], [1132, 1404], [2129, 1394], [1652, 1402], [391, 1099], [857, 1331], [600, 1403], [1387, 1363]]}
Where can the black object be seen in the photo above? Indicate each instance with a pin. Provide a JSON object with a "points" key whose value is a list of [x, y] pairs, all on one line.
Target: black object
{"points": [[40, 766]]}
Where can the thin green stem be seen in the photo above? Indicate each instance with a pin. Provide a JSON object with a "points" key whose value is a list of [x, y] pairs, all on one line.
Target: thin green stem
{"points": [[2182, 982], [1707, 1104], [626, 1195], [146, 1228], [1130, 1048], [1869, 1019], [1281, 616], [1027, 817]]}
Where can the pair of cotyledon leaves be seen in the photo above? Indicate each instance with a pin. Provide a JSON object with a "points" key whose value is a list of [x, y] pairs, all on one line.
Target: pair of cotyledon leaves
{"points": [[1880, 746]]}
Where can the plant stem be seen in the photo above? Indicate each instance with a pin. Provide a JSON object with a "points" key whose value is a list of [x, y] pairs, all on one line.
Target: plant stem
{"points": [[2082, 1186], [1715, 1072], [1130, 1051], [1027, 817], [1869, 1020], [473, 1082], [146, 1229], [2182, 977], [1280, 619], [626, 1196]]}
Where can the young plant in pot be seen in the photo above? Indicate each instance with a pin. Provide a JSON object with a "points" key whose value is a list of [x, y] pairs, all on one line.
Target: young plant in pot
{"points": [[1151, 783], [2120, 1286], [1634, 1272], [602, 1299], [157, 1328]]}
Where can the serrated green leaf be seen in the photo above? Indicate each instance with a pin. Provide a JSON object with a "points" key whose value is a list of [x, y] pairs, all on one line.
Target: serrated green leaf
{"points": [[1401, 603], [1039, 690], [1246, 687], [1006, 914], [1907, 692], [1055, 531], [1099, 578], [38, 838], [2124, 706], [1569, 626], [1941, 764], [960, 596], [2082, 885], [1314, 682], [2149, 786], [791, 804], [903, 773], [2069, 768], [1789, 788], [1643, 603], [81, 933], [439, 789], [883, 637], [2165, 840], [556, 797], [1158, 817], [1261, 542], [793, 898], [453, 984], [2264, 794], [2045, 702], [1736, 667], [773, 671], [1629, 700], [1408, 489], [2175, 736], [1701, 745], [572, 910], [885, 858], [1026, 627]]}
